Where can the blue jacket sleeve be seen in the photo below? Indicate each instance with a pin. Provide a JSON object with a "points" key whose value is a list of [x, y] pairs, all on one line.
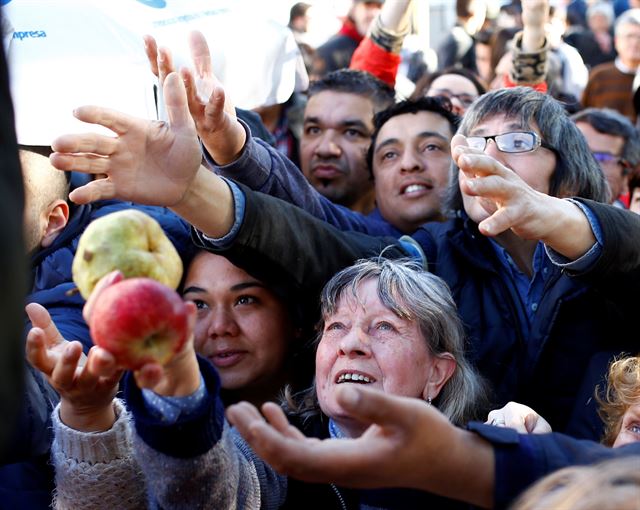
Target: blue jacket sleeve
{"points": [[521, 459], [262, 168], [189, 436]]}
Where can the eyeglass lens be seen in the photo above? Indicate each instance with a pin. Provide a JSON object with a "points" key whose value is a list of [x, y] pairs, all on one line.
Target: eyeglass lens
{"points": [[507, 142]]}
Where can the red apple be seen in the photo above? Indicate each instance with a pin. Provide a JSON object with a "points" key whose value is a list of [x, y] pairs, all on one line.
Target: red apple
{"points": [[139, 320]]}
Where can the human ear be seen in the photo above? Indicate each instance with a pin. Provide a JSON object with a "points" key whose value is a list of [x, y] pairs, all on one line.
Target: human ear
{"points": [[441, 371], [56, 219]]}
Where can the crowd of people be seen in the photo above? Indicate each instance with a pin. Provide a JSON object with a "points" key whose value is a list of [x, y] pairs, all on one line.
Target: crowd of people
{"points": [[399, 298]]}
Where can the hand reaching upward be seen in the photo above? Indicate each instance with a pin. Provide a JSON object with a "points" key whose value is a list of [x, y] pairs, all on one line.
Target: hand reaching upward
{"points": [[148, 162]]}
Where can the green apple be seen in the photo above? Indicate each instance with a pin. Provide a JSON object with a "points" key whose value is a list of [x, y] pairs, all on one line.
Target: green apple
{"points": [[130, 241]]}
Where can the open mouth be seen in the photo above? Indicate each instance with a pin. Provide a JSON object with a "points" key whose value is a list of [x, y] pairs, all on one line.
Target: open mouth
{"points": [[353, 377], [415, 188]]}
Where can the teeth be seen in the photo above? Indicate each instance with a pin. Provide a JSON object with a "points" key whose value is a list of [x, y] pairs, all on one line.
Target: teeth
{"points": [[355, 378], [414, 187]]}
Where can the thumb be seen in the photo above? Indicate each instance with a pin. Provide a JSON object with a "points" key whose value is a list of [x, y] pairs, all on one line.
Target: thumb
{"points": [[530, 422], [175, 99], [373, 406]]}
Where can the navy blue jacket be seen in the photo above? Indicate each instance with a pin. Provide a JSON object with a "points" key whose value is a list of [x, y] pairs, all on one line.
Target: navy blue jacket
{"points": [[579, 317], [522, 459]]}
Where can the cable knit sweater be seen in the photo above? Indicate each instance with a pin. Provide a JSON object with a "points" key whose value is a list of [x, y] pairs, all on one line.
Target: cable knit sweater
{"points": [[102, 471]]}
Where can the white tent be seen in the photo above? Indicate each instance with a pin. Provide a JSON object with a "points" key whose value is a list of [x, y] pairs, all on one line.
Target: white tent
{"points": [[66, 53]]}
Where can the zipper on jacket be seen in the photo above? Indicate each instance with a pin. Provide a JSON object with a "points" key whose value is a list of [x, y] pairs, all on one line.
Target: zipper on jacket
{"points": [[343, 505]]}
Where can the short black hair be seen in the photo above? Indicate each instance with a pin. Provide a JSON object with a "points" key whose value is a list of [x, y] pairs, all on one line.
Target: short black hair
{"points": [[438, 105], [352, 81]]}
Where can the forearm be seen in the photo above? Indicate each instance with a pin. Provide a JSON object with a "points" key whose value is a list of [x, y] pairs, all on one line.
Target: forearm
{"points": [[296, 246], [465, 471]]}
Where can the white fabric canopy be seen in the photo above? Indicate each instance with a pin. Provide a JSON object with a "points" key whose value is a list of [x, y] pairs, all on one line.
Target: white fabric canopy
{"points": [[66, 53]]}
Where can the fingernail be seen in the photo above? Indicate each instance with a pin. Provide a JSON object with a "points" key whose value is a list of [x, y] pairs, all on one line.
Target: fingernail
{"points": [[471, 183]]}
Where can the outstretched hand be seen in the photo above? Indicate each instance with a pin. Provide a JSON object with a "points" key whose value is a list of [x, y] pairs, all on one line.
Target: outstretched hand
{"points": [[86, 385], [511, 202], [148, 162], [211, 109], [408, 444], [514, 205]]}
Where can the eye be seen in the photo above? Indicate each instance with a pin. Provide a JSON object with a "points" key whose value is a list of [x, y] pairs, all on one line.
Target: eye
{"points": [[312, 130], [352, 133], [387, 156], [200, 305], [246, 300], [385, 326], [430, 147], [334, 326], [634, 428]]}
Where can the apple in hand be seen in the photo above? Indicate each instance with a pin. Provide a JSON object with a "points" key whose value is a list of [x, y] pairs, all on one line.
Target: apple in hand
{"points": [[139, 321]]}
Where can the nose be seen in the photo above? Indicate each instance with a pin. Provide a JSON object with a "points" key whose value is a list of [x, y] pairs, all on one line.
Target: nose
{"points": [[411, 162], [354, 344], [221, 323], [328, 146]]}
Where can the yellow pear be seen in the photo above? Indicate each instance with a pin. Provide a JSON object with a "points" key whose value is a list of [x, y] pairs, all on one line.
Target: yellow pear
{"points": [[128, 240]]}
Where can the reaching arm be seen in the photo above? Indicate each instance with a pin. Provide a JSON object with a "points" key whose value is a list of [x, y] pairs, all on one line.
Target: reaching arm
{"points": [[379, 52], [391, 453], [530, 214]]}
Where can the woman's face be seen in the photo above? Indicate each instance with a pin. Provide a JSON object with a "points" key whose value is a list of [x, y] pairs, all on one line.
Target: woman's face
{"points": [[366, 343], [242, 328], [535, 168], [630, 428], [460, 90]]}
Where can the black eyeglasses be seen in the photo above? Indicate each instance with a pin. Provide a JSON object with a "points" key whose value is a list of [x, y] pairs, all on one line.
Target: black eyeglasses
{"points": [[513, 143]]}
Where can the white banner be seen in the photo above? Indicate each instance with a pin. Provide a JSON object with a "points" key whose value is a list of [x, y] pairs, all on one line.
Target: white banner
{"points": [[66, 53]]}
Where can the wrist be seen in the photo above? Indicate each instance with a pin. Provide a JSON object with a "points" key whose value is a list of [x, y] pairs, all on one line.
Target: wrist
{"points": [[87, 420], [225, 146], [208, 204], [181, 376]]}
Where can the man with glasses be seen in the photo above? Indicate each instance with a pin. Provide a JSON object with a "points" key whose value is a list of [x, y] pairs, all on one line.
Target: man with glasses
{"points": [[614, 143]]}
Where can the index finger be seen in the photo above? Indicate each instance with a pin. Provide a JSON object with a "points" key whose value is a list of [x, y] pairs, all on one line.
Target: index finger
{"points": [[111, 119], [200, 53], [151, 49]]}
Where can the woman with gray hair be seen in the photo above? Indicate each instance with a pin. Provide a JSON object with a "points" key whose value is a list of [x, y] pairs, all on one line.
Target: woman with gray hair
{"points": [[385, 324], [422, 298]]}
